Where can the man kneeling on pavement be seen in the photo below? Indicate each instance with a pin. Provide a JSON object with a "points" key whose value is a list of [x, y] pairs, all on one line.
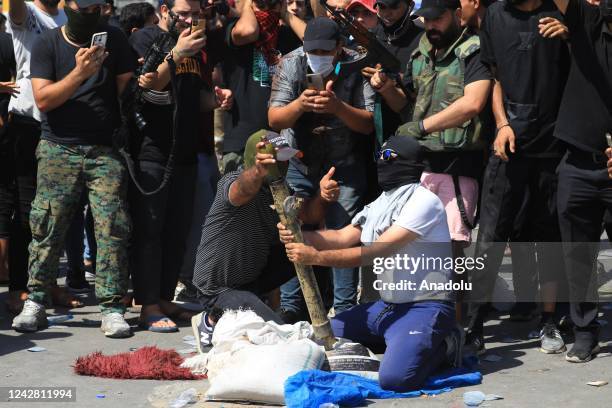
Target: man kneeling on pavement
{"points": [[416, 325], [240, 256]]}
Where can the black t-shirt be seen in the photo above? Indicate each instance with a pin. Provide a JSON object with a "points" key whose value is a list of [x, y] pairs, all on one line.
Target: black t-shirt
{"points": [[91, 114], [247, 74], [532, 71], [466, 163], [287, 40], [586, 110], [155, 141], [7, 67], [402, 48]]}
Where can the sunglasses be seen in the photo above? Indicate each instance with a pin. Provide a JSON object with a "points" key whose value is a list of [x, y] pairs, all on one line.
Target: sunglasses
{"points": [[387, 155]]}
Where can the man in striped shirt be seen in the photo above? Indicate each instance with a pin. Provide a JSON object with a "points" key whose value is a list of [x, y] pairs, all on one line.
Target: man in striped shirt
{"points": [[240, 257]]}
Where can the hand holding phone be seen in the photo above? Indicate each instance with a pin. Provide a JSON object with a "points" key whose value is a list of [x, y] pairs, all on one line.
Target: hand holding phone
{"points": [[99, 39], [315, 82], [198, 25]]}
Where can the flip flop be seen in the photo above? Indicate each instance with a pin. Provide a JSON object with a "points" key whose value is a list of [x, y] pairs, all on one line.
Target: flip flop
{"points": [[151, 320]]}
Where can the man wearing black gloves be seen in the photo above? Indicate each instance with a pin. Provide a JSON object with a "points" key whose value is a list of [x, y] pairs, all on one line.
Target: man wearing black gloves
{"points": [[585, 191], [162, 221]]}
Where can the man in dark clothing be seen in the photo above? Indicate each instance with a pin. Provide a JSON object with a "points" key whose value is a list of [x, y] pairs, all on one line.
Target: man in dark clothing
{"points": [[585, 190], [162, 221], [532, 72]]}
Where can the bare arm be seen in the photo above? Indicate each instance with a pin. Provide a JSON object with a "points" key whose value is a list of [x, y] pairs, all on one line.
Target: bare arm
{"points": [[313, 212], [346, 237], [284, 117], [246, 30], [297, 24], [358, 120], [49, 94], [248, 184], [386, 87], [17, 11], [317, 9], [389, 243], [497, 101], [463, 109]]}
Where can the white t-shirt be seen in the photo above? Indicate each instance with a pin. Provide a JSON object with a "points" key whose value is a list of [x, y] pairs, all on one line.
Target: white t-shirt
{"points": [[24, 36], [416, 209]]}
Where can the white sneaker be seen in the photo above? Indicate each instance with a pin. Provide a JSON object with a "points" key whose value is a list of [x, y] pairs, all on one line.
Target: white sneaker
{"points": [[32, 317], [115, 326]]}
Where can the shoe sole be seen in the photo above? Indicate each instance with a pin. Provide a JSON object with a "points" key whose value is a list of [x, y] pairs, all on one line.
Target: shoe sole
{"points": [[117, 335], [24, 330], [594, 352]]}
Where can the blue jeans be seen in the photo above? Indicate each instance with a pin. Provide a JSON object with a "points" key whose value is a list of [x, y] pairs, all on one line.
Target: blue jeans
{"points": [[413, 334], [352, 180]]}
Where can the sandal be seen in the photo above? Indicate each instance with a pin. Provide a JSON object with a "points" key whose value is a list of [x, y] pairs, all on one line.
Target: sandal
{"points": [[149, 324]]}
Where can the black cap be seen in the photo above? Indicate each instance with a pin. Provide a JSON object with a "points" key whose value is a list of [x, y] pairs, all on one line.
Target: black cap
{"points": [[389, 3], [321, 33], [432, 9]]}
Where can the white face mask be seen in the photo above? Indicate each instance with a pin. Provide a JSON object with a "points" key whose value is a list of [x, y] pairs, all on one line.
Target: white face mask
{"points": [[321, 64]]}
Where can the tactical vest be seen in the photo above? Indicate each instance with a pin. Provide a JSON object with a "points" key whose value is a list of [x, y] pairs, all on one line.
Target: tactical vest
{"points": [[438, 83]]}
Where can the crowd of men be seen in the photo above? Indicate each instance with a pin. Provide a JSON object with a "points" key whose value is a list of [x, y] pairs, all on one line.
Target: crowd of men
{"points": [[497, 118]]}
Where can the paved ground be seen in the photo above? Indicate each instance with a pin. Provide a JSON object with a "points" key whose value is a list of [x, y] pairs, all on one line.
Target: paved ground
{"points": [[525, 377]]}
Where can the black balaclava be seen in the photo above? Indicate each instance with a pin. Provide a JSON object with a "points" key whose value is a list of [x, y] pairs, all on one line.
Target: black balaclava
{"points": [[50, 3], [404, 169], [81, 26], [606, 10]]}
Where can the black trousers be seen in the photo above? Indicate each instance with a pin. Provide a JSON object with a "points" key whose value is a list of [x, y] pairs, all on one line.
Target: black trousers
{"points": [[585, 193], [24, 135], [518, 197], [161, 224]]}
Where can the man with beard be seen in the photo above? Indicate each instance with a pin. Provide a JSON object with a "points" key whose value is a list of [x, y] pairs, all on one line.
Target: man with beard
{"points": [[27, 21], [585, 191], [416, 324], [77, 88], [453, 87], [519, 186]]}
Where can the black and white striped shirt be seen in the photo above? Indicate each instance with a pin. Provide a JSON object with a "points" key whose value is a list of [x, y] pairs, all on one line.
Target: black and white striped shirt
{"points": [[235, 241]]}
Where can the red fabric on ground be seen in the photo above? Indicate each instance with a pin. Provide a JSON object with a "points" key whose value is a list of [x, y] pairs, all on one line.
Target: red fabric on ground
{"points": [[148, 363]]}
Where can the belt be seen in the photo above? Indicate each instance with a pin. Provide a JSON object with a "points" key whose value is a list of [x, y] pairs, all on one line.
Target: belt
{"points": [[590, 157]]}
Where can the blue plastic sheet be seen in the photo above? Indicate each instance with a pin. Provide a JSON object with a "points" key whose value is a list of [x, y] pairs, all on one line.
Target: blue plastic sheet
{"points": [[311, 388]]}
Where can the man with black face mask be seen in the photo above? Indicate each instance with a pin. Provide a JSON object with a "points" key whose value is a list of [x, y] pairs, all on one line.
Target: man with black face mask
{"points": [[77, 88], [585, 190], [405, 222], [26, 22], [452, 88]]}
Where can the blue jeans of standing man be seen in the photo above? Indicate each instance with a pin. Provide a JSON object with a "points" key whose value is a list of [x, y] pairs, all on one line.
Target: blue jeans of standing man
{"points": [[352, 180]]}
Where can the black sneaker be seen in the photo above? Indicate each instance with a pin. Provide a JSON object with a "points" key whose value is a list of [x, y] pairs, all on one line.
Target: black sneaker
{"points": [[474, 344], [586, 346], [79, 286]]}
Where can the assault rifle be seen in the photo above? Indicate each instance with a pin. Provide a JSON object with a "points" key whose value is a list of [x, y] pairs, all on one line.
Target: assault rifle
{"points": [[376, 51]]}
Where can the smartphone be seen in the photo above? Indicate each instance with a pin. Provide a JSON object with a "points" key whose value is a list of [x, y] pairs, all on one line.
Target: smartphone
{"points": [[609, 139], [198, 25], [315, 81], [99, 39]]}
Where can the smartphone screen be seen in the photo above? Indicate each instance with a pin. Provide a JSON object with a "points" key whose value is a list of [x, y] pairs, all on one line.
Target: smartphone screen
{"points": [[99, 39], [315, 81]]}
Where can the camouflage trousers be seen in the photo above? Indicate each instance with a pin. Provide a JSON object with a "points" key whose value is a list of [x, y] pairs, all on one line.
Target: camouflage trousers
{"points": [[64, 172]]}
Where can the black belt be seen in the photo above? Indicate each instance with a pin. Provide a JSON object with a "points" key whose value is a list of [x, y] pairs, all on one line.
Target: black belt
{"points": [[589, 157]]}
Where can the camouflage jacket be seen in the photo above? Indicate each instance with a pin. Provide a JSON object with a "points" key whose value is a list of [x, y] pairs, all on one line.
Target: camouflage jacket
{"points": [[438, 82]]}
